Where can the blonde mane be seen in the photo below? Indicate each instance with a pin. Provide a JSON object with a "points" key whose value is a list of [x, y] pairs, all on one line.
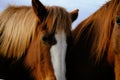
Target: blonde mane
{"points": [[18, 25], [101, 25]]}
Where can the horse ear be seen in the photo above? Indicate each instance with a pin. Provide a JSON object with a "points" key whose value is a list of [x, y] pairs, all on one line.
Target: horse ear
{"points": [[39, 9], [74, 14]]}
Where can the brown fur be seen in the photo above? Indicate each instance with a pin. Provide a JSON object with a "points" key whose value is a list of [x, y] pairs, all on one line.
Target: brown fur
{"points": [[38, 59], [16, 38], [106, 33], [102, 25], [22, 30], [116, 43]]}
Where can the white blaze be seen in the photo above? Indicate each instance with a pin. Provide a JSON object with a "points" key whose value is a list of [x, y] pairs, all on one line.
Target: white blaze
{"points": [[58, 52]]}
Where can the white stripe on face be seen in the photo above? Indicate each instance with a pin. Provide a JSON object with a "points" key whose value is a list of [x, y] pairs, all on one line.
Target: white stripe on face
{"points": [[58, 52]]}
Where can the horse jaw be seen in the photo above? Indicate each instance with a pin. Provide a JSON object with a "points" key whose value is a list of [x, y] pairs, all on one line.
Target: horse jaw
{"points": [[58, 52]]}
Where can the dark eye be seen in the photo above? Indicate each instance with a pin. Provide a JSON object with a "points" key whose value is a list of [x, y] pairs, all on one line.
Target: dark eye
{"points": [[118, 21], [45, 38], [49, 39]]}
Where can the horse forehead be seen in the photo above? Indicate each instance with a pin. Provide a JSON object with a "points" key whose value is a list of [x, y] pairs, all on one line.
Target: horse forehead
{"points": [[58, 19], [56, 11], [59, 23]]}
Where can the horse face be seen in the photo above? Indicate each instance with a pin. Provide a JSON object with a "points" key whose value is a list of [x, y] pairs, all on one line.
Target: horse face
{"points": [[41, 13], [38, 35], [116, 34], [116, 42], [46, 53]]}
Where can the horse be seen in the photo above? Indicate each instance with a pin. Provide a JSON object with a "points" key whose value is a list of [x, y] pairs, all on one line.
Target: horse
{"points": [[33, 41], [95, 50]]}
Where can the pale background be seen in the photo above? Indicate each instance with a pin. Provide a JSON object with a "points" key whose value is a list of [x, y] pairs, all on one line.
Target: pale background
{"points": [[86, 7]]}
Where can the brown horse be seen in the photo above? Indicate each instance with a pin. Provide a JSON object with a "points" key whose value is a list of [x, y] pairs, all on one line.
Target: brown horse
{"points": [[33, 42], [95, 53]]}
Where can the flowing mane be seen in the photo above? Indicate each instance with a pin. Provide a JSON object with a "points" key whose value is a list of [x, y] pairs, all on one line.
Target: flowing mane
{"points": [[95, 52], [18, 25], [16, 30], [33, 39], [101, 25]]}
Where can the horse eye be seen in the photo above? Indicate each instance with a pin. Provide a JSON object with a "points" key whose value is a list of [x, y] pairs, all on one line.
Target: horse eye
{"points": [[45, 38], [118, 21], [49, 39]]}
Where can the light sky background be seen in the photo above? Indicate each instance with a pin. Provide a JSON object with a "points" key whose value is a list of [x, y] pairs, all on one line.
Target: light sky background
{"points": [[86, 7]]}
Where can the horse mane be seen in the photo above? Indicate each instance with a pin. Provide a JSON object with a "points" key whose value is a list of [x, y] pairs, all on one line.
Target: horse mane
{"points": [[18, 25], [101, 25], [61, 19]]}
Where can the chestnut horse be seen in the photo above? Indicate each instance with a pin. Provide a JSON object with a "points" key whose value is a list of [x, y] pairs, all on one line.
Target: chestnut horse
{"points": [[33, 42], [95, 52]]}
